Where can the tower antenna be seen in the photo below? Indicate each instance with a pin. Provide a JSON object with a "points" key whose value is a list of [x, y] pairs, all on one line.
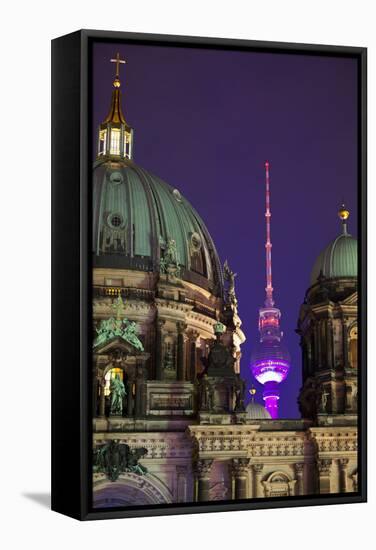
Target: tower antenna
{"points": [[269, 302]]}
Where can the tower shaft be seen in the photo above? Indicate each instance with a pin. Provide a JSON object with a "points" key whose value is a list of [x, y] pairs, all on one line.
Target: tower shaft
{"points": [[270, 362], [268, 245]]}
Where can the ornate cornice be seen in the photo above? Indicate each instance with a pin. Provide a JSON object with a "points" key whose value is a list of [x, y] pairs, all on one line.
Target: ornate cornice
{"points": [[167, 445]]}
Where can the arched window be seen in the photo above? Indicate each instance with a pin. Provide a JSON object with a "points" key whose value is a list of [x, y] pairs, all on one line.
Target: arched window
{"points": [[279, 484], [353, 347], [111, 374]]}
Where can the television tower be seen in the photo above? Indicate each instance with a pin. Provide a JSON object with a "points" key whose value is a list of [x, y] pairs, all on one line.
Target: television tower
{"points": [[270, 360]]}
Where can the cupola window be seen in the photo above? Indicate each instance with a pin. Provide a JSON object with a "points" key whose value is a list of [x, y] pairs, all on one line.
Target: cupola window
{"points": [[115, 142], [115, 137]]}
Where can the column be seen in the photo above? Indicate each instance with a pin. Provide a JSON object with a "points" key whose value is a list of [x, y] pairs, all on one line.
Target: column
{"points": [[193, 335], [139, 401], [203, 479], [325, 467], [343, 464], [345, 345], [181, 351], [158, 350], [95, 395], [130, 397], [102, 399], [299, 473], [319, 343], [329, 343], [240, 470], [181, 483], [258, 489]]}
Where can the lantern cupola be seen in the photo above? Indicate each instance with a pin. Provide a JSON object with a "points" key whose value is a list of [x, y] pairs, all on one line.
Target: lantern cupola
{"points": [[115, 137]]}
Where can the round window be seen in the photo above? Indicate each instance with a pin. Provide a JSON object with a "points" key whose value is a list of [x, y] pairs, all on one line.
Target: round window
{"points": [[115, 220], [196, 241], [177, 195], [116, 178]]}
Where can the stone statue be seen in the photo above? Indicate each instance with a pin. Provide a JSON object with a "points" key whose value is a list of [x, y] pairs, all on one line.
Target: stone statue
{"points": [[171, 254], [130, 334], [239, 388], [117, 393], [114, 458], [323, 401], [220, 360], [101, 334], [206, 394], [118, 328], [169, 263], [229, 276], [308, 399]]}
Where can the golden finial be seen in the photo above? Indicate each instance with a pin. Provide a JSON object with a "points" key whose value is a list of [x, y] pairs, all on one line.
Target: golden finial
{"points": [[118, 305], [252, 391], [118, 61], [343, 213]]}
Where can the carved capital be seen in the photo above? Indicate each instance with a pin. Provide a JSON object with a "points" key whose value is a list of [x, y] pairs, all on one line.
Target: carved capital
{"points": [[202, 468], [194, 337], [343, 463], [257, 468], [240, 466], [160, 323], [324, 465], [181, 326], [299, 468]]}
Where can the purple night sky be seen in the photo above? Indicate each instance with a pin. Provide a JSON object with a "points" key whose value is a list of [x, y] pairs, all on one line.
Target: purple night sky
{"points": [[206, 120]]}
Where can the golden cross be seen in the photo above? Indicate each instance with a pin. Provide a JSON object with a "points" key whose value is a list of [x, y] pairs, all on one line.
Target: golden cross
{"points": [[117, 60], [118, 305]]}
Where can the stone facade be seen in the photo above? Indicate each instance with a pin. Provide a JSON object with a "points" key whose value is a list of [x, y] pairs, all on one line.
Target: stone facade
{"points": [[169, 422]]}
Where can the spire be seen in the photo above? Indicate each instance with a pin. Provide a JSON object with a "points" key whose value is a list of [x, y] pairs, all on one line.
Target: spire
{"points": [[115, 136], [115, 113], [269, 302], [252, 392], [343, 215]]}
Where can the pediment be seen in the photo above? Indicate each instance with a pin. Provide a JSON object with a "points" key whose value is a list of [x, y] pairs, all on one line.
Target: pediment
{"points": [[116, 343], [351, 300]]}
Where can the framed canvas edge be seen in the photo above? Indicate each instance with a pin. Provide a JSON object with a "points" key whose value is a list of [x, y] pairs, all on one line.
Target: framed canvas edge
{"points": [[86, 511]]}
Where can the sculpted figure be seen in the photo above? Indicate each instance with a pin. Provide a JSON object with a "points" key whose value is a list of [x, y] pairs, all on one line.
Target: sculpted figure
{"points": [[239, 388], [117, 393], [114, 458], [308, 399], [206, 394], [229, 276], [129, 334]]}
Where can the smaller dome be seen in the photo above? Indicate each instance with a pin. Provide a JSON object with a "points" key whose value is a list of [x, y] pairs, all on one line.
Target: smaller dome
{"points": [[255, 411], [338, 259]]}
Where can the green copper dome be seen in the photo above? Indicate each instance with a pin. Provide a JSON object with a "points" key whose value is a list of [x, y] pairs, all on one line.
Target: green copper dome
{"points": [[135, 217], [338, 260]]}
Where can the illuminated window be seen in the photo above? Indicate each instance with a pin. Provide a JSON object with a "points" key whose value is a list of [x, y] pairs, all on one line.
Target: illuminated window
{"points": [[115, 142], [110, 376], [128, 145], [102, 142], [353, 347]]}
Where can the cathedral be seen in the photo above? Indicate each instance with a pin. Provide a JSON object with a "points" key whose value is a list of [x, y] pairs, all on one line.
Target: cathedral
{"points": [[169, 420]]}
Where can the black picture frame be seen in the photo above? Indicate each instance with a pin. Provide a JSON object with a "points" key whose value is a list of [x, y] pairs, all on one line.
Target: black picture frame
{"points": [[71, 278]]}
